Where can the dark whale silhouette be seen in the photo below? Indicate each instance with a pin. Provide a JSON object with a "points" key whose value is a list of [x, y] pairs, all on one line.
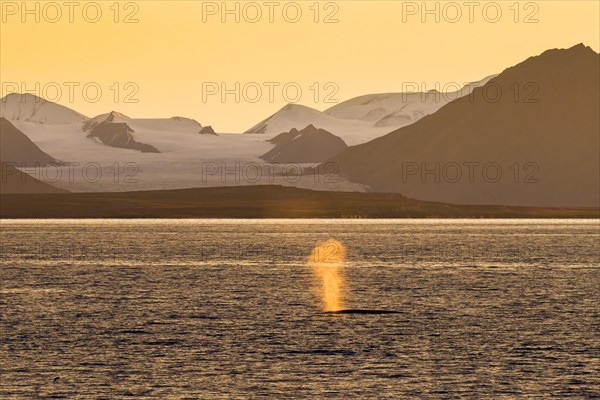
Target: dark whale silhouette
{"points": [[359, 311]]}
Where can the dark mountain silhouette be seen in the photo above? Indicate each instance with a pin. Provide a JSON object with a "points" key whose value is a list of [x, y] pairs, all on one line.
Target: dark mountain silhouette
{"points": [[207, 130], [119, 134], [309, 145], [543, 114], [14, 181], [16, 147]]}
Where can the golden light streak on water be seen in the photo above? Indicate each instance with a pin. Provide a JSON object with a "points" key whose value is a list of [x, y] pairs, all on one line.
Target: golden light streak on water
{"points": [[326, 261]]}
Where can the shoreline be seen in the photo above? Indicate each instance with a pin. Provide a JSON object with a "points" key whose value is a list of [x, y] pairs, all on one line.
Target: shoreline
{"points": [[260, 202]]}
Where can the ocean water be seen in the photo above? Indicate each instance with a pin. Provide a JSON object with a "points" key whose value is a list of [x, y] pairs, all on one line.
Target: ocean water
{"points": [[227, 309]]}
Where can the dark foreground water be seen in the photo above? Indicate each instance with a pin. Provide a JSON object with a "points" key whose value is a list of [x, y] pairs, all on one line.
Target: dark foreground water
{"points": [[223, 309]]}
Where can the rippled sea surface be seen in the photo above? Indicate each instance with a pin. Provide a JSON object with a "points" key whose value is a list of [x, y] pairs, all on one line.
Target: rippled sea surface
{"points": [[223, 309]]}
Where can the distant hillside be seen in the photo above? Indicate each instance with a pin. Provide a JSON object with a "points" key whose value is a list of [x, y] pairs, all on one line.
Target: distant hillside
{"points": [[296, 116], [16, 147], [530, 136], [26, 107], [119, 134], [207, 130], [257, 202], [309, 145], [14, 181], [396, 110], [362, 118]]}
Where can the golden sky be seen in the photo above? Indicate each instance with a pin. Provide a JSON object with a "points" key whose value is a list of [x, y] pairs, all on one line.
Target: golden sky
{"points": [[167, 55]]}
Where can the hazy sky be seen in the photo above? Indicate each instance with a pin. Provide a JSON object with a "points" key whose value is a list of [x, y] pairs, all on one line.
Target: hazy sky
{"points": [[170, 56]]}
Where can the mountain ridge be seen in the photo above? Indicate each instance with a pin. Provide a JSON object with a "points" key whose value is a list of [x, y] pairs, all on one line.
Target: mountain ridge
{"points": [[532, 127], [308, 145]]}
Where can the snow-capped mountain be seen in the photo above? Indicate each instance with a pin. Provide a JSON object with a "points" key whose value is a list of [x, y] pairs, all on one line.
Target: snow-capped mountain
{"points": [[164, 134], [178, 139], [295, 116], [362, 118], [173, 124], [396, 110], [30, 108]]}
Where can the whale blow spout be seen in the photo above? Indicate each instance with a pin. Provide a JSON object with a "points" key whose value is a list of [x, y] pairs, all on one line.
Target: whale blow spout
{"points": [[325, 261]]}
